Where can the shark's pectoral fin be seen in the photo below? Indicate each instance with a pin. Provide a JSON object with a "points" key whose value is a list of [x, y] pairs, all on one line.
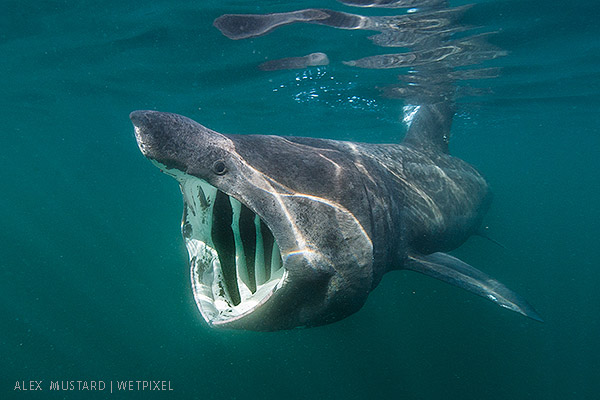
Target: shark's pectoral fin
{"points": [[456, 272]]}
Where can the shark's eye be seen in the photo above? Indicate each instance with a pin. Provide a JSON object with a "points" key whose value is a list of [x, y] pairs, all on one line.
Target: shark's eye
{"points": [[219, 167]]}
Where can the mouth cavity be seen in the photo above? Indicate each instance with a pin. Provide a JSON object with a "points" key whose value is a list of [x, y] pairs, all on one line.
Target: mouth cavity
{"points": [[235, 262]]}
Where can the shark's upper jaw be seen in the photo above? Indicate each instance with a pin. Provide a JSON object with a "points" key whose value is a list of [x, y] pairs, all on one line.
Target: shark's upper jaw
{"points": [[235, 262]]}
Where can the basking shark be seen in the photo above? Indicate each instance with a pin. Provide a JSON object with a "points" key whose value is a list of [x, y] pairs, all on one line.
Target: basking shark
{"points": [[287, 232]]}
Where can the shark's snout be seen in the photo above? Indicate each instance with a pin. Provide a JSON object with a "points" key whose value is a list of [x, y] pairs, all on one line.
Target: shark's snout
{"points": [[150, 119], [143, 122], [150, 132], [138, 117]]}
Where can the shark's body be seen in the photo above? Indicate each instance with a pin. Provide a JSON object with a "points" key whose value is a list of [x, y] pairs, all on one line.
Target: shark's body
{"points": [[285, 232]]}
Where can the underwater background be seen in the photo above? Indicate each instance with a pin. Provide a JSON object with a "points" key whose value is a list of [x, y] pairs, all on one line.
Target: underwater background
{"points": [[94, 281]]}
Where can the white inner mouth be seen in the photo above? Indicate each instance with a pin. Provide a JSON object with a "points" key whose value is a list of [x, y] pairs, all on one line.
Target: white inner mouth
{"points": [[235, 262]]}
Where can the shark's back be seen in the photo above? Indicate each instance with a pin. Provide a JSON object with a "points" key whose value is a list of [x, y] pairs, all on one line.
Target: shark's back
{"points": [[440, 199]]}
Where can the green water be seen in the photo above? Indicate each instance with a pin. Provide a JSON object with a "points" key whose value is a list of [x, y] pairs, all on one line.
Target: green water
{"points": [[94, 280]]}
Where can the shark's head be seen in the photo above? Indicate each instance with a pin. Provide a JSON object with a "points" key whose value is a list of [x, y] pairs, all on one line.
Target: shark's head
{"points": [[269, 248]]}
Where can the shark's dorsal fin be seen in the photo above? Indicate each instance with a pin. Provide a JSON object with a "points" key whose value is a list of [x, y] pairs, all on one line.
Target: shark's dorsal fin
{"points": [[429, 126], [458, 273]]}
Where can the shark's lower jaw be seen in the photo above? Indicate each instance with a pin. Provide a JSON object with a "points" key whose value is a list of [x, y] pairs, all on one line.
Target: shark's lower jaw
{"points": [[235, 262]]}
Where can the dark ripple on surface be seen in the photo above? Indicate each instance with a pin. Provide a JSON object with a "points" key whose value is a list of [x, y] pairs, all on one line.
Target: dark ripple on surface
{"points": [[243, 26], [457, 53], [313, 59]]}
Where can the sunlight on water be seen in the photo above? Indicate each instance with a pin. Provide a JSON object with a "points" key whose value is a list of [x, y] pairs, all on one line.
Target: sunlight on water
{"points": [[321, 86]]}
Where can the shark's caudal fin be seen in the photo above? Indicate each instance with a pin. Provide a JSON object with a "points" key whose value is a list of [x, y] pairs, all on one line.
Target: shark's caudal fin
{"points": [[452, 270], [429, 126]]}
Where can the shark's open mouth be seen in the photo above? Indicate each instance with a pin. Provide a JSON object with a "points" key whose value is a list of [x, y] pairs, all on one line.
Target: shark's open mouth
{"points": [[235, 262]]}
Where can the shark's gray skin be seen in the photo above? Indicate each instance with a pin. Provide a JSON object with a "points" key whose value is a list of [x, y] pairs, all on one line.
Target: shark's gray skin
{"points": [[287, 232]]}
